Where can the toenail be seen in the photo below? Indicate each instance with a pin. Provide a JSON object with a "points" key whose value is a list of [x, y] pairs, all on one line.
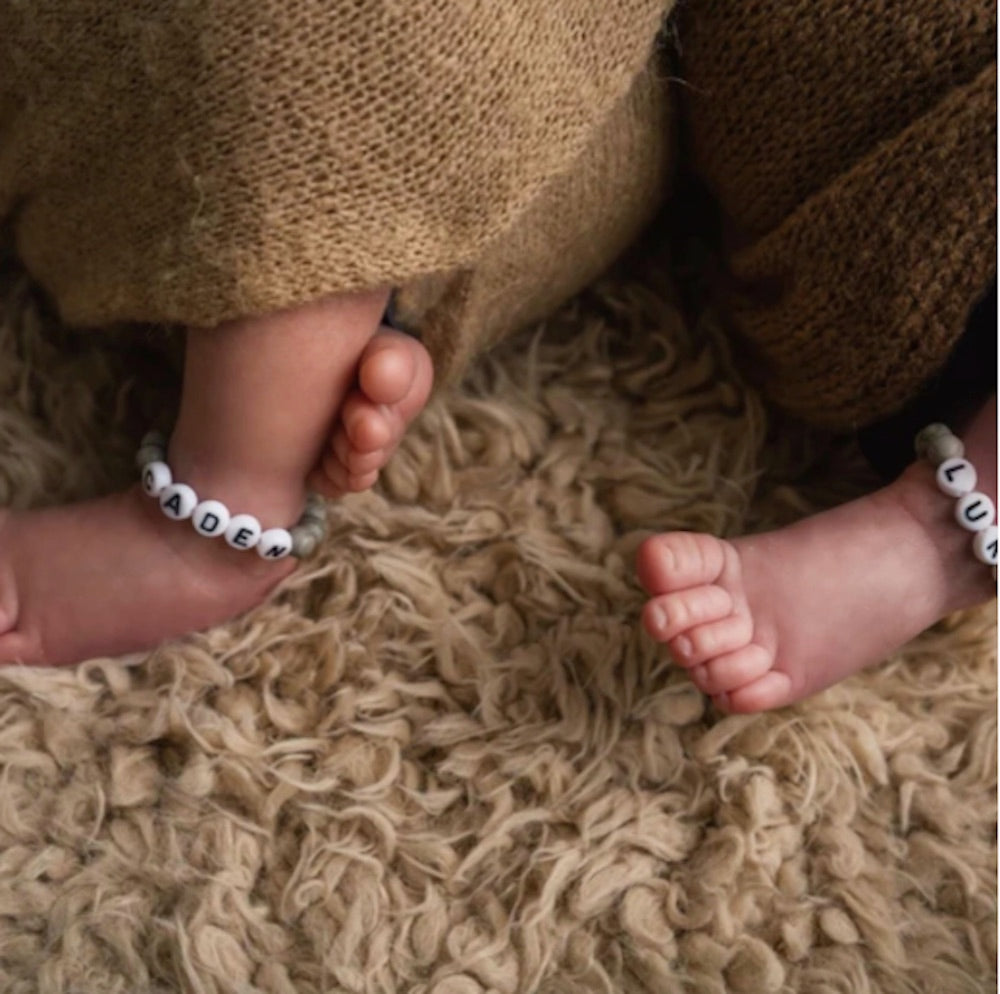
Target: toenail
{"points": [[668, 560], [658, 618]]}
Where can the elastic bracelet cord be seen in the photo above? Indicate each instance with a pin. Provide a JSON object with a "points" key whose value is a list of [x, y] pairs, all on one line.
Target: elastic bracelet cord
{"points": [[212, 519], [957, 477]]}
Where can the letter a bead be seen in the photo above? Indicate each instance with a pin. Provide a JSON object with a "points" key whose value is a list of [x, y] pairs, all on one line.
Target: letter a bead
{"points": [[275, 543], [243, 532], [956, 477], [984, 545], [975, 512], [178, 501], [210, 518], [156, 476]]}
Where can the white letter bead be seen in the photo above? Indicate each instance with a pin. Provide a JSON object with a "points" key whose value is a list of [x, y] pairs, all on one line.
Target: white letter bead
{"points": [[275, 543], [210, 518], [956, 477], [984, 545], [243, 531], [975, 511], [156, 476], [178, 501]]}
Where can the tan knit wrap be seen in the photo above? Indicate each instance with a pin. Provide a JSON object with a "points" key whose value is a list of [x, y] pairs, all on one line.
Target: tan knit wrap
{"points": [[852, 147], [191, 162]]}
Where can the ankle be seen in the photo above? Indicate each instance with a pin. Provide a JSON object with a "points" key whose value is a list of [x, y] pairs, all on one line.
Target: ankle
{"points": [[944, 547], [275, 498]]}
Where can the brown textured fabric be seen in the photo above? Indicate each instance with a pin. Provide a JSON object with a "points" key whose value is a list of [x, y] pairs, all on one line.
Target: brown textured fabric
{"points": [[210, 160], [555, 246], [194, 162], [853, 153]]}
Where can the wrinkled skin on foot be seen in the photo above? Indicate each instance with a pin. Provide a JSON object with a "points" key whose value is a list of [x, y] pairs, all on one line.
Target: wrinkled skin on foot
{"points": [[763, 621], [113, 576]]}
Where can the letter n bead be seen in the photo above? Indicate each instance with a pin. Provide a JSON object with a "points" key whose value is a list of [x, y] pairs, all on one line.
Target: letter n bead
{"points": [[275, 543]]}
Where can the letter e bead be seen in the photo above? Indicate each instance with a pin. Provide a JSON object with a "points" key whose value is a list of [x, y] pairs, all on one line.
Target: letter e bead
{"points": [[243, 532]]}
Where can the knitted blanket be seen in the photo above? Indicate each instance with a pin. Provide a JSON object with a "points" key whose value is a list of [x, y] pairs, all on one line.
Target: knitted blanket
{"points": [[443, 759]]}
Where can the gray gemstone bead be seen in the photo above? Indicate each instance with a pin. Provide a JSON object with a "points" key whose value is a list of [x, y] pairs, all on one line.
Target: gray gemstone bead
{"points": [[305, 541], [936, 443], [148, 454], [315, 507], [156, 438]]}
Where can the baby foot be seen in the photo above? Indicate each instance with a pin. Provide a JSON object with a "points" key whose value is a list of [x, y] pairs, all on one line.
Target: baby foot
{"points": [[765, 620], [394, 380], [113, 576]]}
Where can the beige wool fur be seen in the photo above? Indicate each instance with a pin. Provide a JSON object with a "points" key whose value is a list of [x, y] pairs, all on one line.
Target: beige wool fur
{"points": [[444, 759]]}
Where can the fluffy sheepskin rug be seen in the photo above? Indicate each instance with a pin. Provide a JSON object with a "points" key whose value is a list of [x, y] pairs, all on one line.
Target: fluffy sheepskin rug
{"points": [[443, 759]]}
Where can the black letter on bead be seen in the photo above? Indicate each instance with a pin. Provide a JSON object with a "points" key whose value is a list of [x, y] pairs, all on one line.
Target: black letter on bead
{"points": [[991, 551], [147, 481], [174, 503], [276, 551], [972, 518], [951, 473], [240, 538], [213, 527]]}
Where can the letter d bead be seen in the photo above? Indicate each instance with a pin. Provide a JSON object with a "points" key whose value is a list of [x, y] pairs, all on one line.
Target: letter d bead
{"points": [[211, 518]]}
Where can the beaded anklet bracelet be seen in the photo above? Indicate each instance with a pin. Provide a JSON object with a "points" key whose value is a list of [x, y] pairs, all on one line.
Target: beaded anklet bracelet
{"points": [[212, 519], [957, 477]]}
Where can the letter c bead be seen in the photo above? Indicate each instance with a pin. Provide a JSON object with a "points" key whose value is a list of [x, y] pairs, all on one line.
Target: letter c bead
{"points": [[178, 501], [275, 543], [975, 512], [243, 532], [210, 518], [156, 476]]}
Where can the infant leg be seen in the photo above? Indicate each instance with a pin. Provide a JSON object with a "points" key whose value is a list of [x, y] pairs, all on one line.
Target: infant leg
{"points": [[115, 575]]}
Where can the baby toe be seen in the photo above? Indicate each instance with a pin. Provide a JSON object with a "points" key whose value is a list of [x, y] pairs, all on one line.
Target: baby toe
{"points": [[388, 366], [772, 690], [340, 480], [716, 638], [677, 560], [366, 426], [733, 670], [352, 460], [668, 615]]}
